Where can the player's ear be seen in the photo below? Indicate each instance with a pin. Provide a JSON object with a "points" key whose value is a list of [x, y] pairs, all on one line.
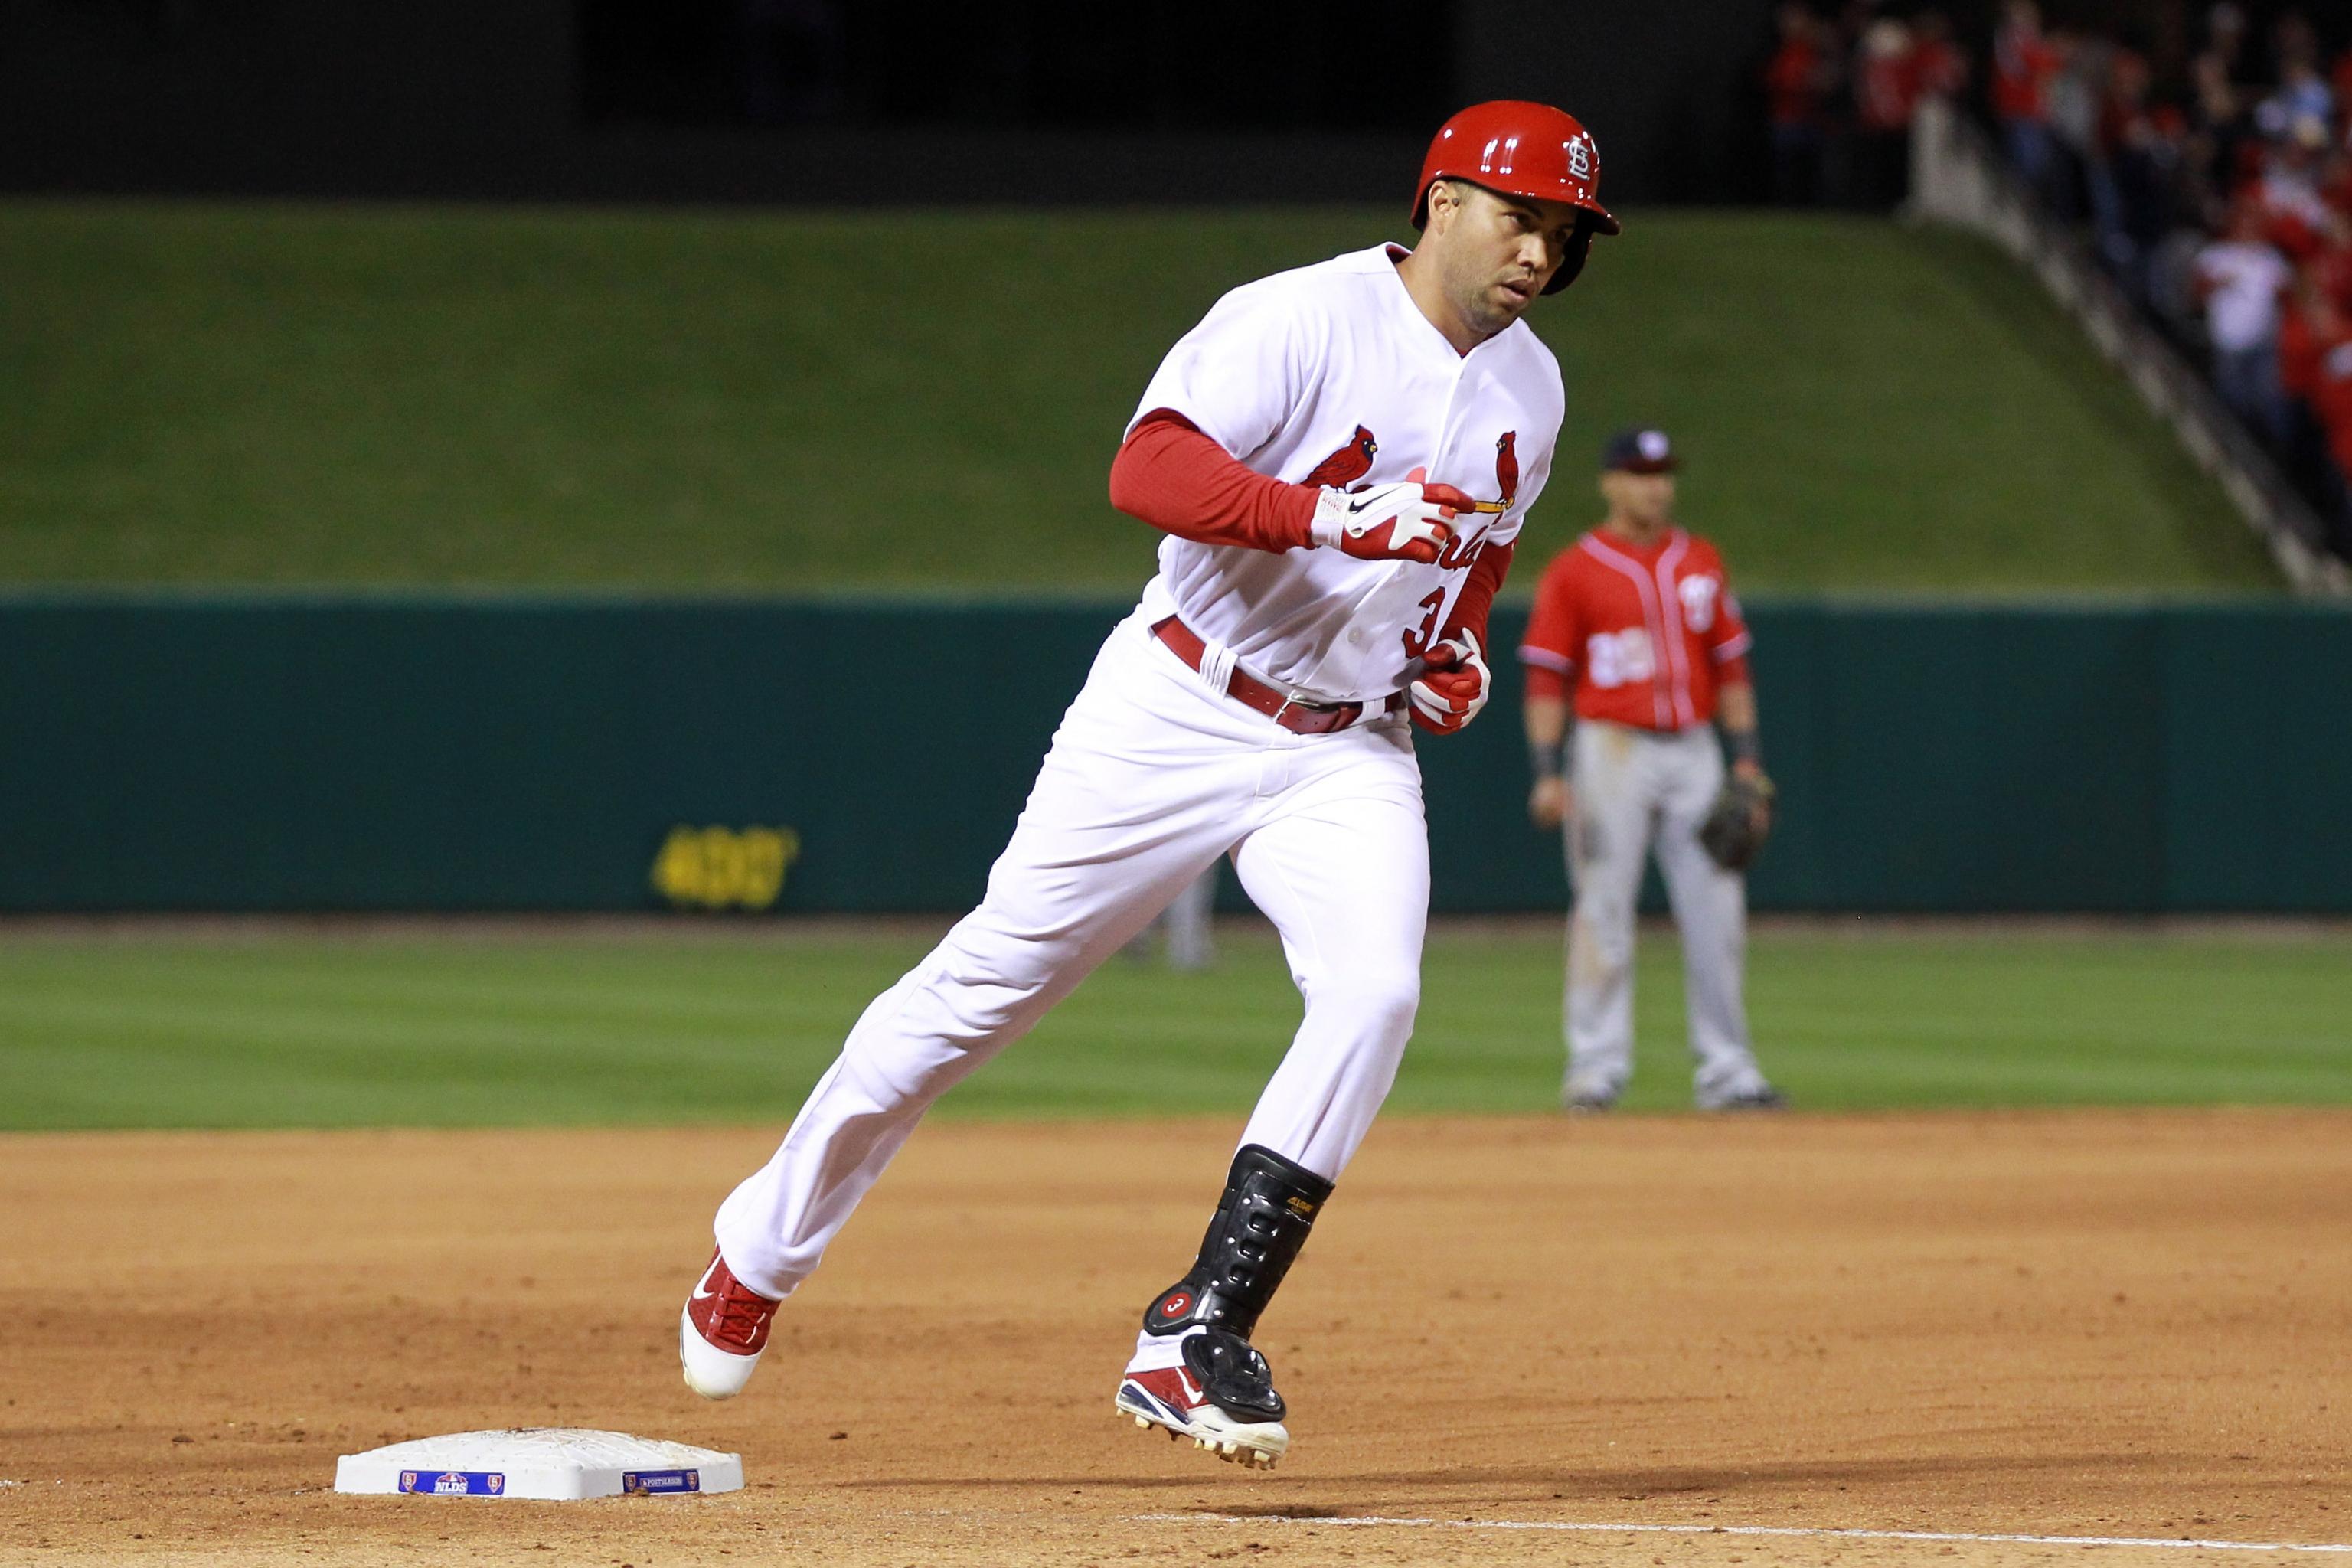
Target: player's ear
{"points": [[1445, 200]]}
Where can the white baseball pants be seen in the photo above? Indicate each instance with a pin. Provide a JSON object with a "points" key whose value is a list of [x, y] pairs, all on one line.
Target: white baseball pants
{"points": [[1153, 774], [1632, 788]]}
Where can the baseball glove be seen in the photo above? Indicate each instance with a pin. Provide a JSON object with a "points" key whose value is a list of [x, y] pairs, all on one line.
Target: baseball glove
{"points": [[1739, 821]]}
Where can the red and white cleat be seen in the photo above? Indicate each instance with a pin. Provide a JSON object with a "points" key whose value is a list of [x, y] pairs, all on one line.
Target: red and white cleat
{"points": [[1211, 1386], [722, 1332]]}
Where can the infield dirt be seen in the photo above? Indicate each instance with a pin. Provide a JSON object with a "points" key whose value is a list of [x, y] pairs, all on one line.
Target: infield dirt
{"points": [[2081, 1324]]}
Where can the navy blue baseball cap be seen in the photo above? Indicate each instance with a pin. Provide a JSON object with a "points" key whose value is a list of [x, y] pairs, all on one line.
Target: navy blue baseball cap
{"points": [[1641, 450]]}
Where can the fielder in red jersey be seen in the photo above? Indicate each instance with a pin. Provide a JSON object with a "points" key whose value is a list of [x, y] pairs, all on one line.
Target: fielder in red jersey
{"points": [[1645, 632], [1637, 636]]}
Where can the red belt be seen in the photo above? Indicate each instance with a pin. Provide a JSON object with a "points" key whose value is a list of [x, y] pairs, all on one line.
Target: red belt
{"points": [[1299, 718]]}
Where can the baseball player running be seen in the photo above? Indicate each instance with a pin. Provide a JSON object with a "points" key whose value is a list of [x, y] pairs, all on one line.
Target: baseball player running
{"points": [[1636, 615], [1342, 458]]}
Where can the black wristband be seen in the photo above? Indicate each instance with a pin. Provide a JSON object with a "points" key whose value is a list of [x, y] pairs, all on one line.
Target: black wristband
{"points": [[1545, 759], [1746, 746]]}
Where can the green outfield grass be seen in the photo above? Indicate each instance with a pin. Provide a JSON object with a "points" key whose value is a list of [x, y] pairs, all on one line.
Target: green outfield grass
{"points": [[928, 400], [293, 1030]]}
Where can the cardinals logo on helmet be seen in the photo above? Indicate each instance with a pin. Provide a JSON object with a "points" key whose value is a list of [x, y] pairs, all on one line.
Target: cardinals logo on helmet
{"points": [[1507, 465], [1349, 464], [1580, 156]]}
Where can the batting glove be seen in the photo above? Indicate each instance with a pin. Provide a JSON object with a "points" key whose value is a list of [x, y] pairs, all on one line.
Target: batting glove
{"points": [[1454, 685], [1407, 521]]}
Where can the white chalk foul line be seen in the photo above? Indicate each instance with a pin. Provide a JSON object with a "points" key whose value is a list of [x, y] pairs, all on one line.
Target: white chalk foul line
{"points": [[1580, 1527]]}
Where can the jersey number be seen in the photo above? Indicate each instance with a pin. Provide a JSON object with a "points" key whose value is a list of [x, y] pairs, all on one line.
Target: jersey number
{"points": [[1614, 659], [1417, 639]]}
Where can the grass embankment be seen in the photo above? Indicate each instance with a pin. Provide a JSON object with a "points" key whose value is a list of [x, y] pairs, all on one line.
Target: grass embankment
{"points": [[928, 400]]}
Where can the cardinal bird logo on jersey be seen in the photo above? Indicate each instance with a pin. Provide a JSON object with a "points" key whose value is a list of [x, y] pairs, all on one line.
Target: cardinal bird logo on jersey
{"points": [[1507, 465], [1349, 464]]}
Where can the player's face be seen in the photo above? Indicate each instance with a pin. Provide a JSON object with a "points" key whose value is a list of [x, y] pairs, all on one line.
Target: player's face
{"points": [[1500, 252], [1645, 498]]}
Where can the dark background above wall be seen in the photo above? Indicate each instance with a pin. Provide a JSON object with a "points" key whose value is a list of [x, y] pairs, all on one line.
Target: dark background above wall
{"points": [[603, 100], [832, 101]]}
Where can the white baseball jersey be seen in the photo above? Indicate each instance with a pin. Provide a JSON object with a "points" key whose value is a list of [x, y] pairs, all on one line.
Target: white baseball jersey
{"points": [[1330, 375], [1325, 375]]}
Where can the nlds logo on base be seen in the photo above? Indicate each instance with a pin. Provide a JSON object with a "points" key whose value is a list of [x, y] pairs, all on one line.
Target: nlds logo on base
{"points": [[454, 1483]]}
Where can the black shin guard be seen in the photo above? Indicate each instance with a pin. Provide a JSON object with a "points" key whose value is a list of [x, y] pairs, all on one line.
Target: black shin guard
{"points": [[1260, 1224]]}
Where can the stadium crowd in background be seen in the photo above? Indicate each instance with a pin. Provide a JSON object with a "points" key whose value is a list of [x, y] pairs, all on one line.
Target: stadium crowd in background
{"points": [[2217, 189], [2214, 180], [1841, 93]]}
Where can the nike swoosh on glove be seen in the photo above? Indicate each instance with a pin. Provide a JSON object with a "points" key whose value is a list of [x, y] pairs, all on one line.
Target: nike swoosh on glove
{"points": [[1455, 684], [1408, 520]]}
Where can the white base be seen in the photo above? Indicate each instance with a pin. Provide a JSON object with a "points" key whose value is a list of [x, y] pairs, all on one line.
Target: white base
{"points": [[554, 1463]]}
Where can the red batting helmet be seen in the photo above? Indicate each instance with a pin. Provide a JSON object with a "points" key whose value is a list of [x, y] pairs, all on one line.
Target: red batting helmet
{"points": [[1522, 149]]}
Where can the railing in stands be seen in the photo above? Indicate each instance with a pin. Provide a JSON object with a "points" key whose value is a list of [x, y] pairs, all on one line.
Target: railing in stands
{"points": [[1958, 178]]}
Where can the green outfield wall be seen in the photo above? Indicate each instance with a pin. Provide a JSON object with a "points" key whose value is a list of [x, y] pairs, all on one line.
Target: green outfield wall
{"points": [[566, 754]]}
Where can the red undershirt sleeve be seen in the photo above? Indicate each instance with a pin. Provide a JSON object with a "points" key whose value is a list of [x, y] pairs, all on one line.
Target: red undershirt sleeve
{"points": [[1486, 574], [1179, 481]]}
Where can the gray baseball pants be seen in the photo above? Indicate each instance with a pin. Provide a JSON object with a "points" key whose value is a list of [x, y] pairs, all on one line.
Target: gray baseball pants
{"points": [[1633, 789]]}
